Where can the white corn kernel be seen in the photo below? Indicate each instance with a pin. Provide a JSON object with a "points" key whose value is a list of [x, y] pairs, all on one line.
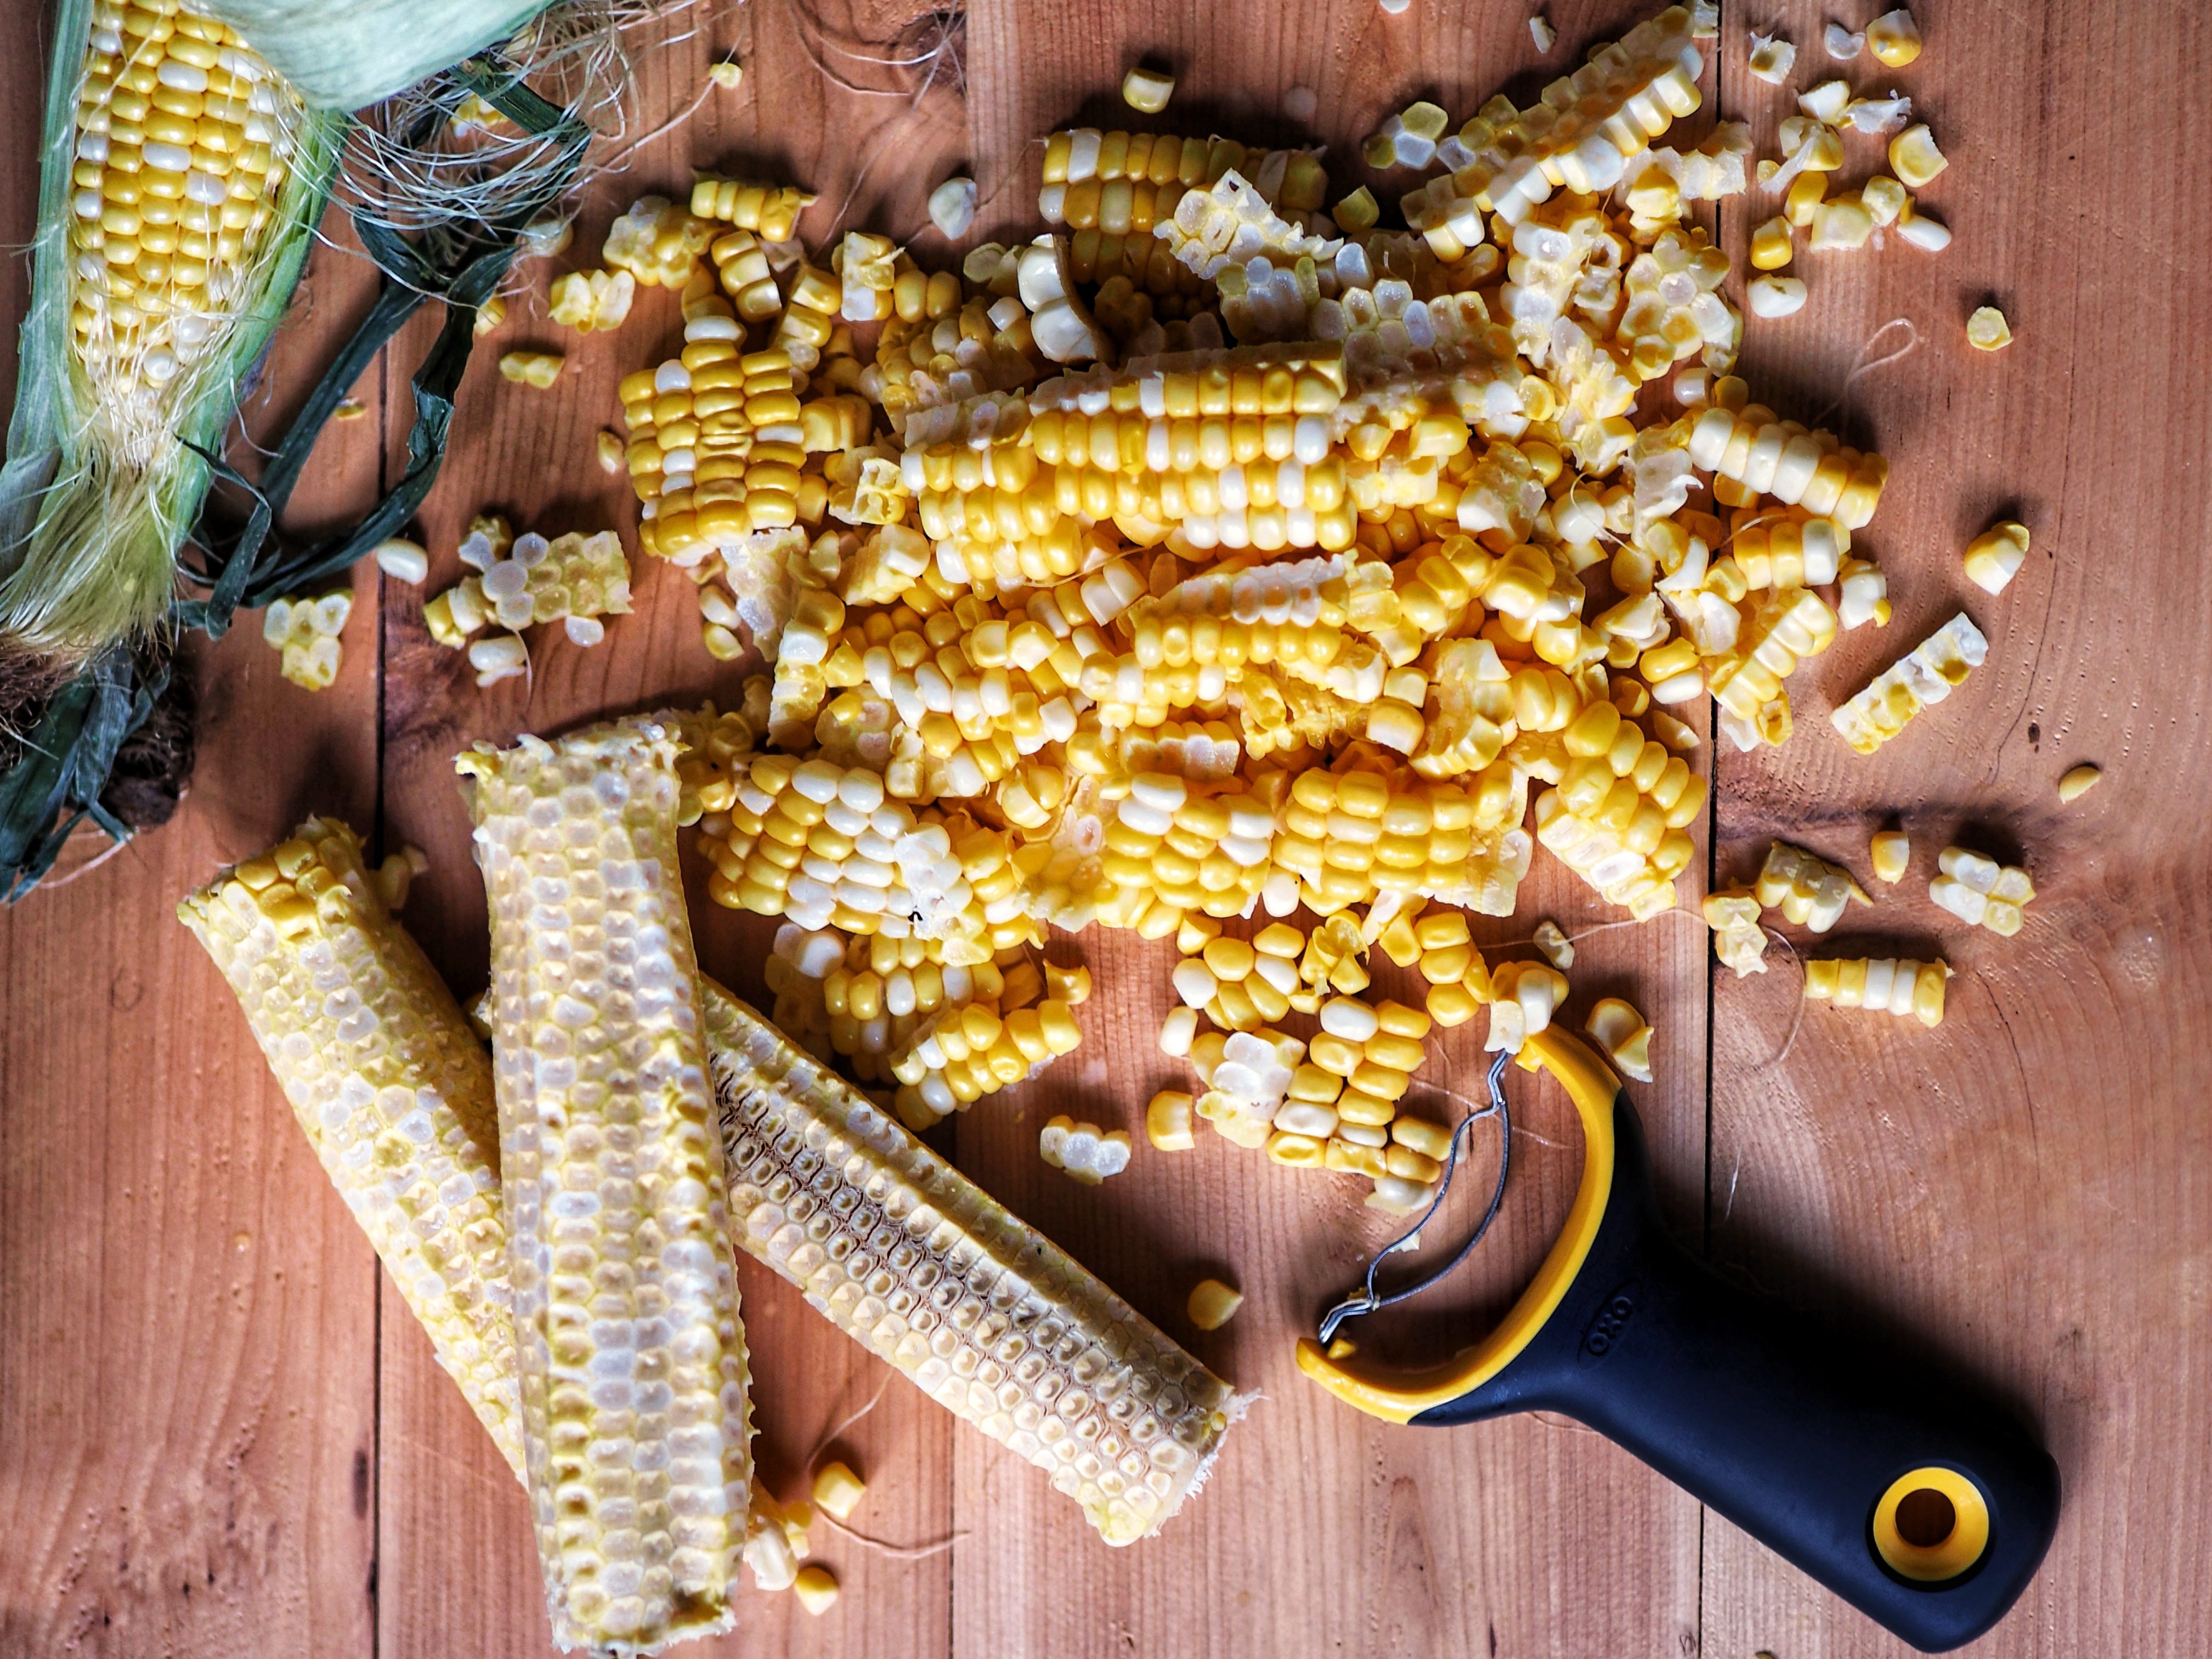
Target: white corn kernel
{"points": [[1773, 296], [816, 1587], [1772, 59], [1541, 31], [1842, 44], [1558, 948], [952, 208], [403, 560]]}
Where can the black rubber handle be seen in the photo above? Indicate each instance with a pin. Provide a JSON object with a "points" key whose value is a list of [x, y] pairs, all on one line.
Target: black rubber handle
{"points": [[1789, 1428]]}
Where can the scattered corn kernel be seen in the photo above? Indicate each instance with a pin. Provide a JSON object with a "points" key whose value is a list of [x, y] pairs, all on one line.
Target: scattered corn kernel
{"points": [[1147, 91], [2077, 782], [1213, 1304], [1774, 297], [1987, 329], [1086, 1152], [489, 315], [1557, 948], [1842, 44], [1894, 37], [609, 451], [533, 368], [1624, 1034], [1913, 156], [727, 73], [1772, 59], [1993, 557], [952, 208], [1930, 235], [1541, 31], [402, 559], [1889, 853], [816, 1587], [1168, 1121], [349, 409], [1772, 247], [837, 1490], [1977, 889]]}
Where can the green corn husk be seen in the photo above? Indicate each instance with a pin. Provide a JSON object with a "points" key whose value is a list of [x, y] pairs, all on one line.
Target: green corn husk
{"points": [[342, 57], [91, 516]]}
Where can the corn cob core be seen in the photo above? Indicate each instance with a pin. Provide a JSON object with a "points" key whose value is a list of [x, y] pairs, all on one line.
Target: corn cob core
{"points": [[635, 1416], [909, 1258], [392, 1089], [184, 137]]}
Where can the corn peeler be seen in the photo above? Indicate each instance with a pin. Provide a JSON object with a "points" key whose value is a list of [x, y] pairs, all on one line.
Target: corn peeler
{"points": [[1925, 1507]]}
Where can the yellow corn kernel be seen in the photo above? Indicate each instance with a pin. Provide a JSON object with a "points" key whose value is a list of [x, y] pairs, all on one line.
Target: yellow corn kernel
{"points": [[1357, 212], [1452, 1005], [1889, 853], [305, 631], [727, 73], [1147, 91], [1894, 37], [1841, 222], [1914, 158], [1555, 946], [1806, 888], [489, 315], [1624, 1034], [1431, 1140], [1770, 244], [816, 1587], [1168, 1121], [1899, 987], [532, 368], [837, 1490], [2077, 782], [1739, 936], [1987, 329], [1993, 557], [1213, 1304], [591, 300], [1803, 199]]}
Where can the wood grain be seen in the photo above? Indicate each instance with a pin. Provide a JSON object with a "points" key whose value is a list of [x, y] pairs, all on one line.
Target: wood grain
{"points": [[220, 1434]]}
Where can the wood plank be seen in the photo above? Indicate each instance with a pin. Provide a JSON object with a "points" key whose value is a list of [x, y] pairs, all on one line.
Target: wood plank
{"points": [[457, 1566], [187, 1361], [2020, 1194], [1403, 1542]]}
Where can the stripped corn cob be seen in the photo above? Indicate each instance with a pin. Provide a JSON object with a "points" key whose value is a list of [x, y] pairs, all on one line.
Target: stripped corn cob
{"points": [[390, 1085], [182, 181], [635, 1416], [910, 1259]]}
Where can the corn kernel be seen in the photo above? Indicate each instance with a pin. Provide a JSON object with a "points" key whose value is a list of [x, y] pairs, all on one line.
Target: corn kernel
{"points": [[837, 1490], [726, 73], [952, 208], [1987, 329], [1147, 91], [1213, 1304], [1168, 1121], [1993, 557], [1772, 59], [1914, 158], [2077, 782], [816, 1588], [1357, 212], [1557, 948], [1894, 37], [1774, 297], [1771, 246], [1978, 890], [1889, 853], [1082, 1150], [1624, 1036]]}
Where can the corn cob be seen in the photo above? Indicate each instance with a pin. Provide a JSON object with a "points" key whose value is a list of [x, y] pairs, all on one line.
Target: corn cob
{"points": [[906, 1257], [181, 182], [391, 1087], [634, 1386]]}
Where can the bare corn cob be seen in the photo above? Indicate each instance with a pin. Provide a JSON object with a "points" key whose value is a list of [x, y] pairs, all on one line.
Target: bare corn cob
{"points": [[635, 1418], [392, 1089], [913, 1260]]}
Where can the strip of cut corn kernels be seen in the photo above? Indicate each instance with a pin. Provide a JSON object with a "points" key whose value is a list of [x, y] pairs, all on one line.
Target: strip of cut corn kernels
{"points": [[909, 1258], [633, 1380], [391, 1087]]}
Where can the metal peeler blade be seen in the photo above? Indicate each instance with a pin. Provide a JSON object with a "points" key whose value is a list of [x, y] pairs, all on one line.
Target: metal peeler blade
{"points": [[1368, 1299]]}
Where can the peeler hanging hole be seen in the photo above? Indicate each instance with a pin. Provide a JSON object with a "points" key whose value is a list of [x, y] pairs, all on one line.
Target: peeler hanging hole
{"points": [[1931, 1527], [1926, 1518]]}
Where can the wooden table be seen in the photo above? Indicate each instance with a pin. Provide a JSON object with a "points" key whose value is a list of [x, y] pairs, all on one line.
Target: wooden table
{"points": [[221, 1433]]}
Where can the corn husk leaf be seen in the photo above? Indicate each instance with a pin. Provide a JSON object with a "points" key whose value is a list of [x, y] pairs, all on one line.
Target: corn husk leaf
{"points": [[88, 538], [342, 54]]}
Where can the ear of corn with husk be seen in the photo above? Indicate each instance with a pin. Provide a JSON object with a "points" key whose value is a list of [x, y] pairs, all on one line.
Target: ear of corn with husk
{"points": [[181, 182]]}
